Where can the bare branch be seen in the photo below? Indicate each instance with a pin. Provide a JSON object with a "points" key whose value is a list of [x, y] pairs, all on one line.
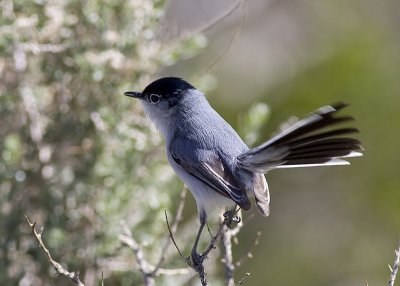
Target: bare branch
{"points": [[197, 265], [225, 225], [241, 281], [230, 266], [128, 239], [171, 235], [228, 259], [227, 235], [219, 18], [173, 271], [249, 253], [234, 36], [214, 239], [395, 268], [74, 276], [177, 219], [147, 270]]}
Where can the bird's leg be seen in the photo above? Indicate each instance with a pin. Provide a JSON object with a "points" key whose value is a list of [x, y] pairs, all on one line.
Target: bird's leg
{"points": [[195, 257]]}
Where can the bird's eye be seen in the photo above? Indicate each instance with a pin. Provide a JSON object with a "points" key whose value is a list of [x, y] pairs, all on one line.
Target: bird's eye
{"points": [[154, 98]]}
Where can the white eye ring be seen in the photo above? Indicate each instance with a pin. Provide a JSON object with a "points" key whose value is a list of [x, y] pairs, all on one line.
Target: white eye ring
{"points": [[154, 98]]}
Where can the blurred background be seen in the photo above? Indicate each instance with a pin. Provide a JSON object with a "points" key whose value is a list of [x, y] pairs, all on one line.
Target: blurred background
{"points": [[79, 158]]}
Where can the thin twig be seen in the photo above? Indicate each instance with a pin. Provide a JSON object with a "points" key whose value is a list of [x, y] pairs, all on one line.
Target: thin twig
{"points": [[174, 227], [227, 232], [395, 268], [224, 226], [102, 278], [198, 265], [173, 271], [149, 272], [227, 235], [144, 265], [214, 240], [228, 259], [74, 276], [209, 230], [247, 275], [171, 235], [130, 241], [219, 18], [234, 36], [249, 253]]}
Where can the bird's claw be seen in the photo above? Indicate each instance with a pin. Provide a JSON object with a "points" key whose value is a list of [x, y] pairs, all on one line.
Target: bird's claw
{"points": [[236, 219], [230, 218], [196, 259]]}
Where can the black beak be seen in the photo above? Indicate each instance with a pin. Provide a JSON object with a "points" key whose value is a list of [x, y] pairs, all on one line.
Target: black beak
{"points": [[134, 94]]}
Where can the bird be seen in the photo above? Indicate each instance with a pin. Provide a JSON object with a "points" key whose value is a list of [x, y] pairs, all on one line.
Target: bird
{"points": [[219, 169]]}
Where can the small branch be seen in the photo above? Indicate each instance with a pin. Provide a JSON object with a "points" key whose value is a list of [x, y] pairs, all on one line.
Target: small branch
{"points": [[249, 253], [173, 271], [172, 230], [197, 264], [230, 266], [228, 259], [171, 235], [241, 281], [227, 235], [214, 239], [395, 268], [234, 36], [74, 276], [147, 270], [219, 18], [128, 240], [226, 223]]}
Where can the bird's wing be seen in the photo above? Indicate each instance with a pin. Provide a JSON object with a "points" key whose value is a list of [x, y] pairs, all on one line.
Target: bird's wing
{"points": [[207, 166]]}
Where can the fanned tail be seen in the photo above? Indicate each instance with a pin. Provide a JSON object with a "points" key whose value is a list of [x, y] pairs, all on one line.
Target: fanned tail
{"points": [[307, 143]]}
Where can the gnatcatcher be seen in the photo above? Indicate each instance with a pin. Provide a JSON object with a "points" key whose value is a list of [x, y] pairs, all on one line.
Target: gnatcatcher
{"points": [[216, 165]]}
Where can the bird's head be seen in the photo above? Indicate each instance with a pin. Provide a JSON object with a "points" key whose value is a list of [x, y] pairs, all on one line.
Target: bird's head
{"points": [[163, 94], [164, 97]]}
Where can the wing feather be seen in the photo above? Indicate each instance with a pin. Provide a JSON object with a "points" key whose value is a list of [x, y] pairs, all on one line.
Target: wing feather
{"points": [[212, 171]]}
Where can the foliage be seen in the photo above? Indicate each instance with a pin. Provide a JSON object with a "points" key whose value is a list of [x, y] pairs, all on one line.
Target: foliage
{"points": [[252, 122], [76, 155]]}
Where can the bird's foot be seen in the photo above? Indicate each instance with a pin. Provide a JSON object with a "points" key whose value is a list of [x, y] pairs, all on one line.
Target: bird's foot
{"points": [[196, 259], [196, 262], [231, 217], [236, 219]]}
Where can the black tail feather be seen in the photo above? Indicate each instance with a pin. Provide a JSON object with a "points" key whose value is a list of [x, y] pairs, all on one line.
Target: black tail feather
{"points": [[321, 136], [303, 144]]}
